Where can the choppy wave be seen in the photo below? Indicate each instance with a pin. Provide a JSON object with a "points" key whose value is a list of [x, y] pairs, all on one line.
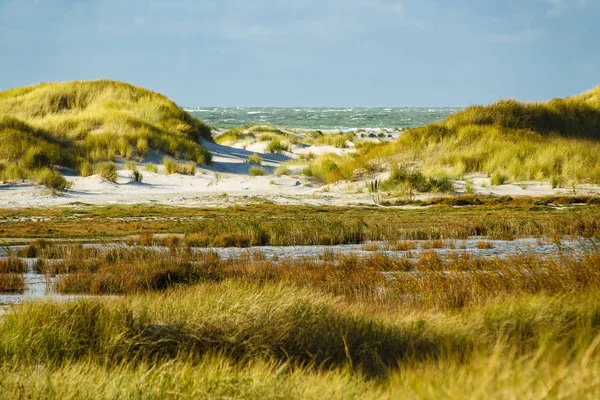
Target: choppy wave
{"points": [[322, 118]]}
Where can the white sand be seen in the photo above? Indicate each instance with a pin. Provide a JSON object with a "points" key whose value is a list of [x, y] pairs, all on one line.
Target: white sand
{"points": [[227, 182]]}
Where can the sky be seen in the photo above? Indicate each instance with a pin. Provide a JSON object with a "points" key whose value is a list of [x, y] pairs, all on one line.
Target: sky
{"points": [[294, 53]]}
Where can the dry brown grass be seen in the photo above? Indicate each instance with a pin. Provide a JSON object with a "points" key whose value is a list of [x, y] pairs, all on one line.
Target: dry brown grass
{"points": [[10, 283], [428, 281]]}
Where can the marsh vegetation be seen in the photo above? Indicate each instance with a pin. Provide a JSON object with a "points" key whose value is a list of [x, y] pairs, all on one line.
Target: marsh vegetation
{"points": [[353, 326]]}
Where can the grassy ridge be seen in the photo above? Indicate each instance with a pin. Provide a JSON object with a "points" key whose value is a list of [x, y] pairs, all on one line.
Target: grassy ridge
{"points": [[558, 140], [75, 124], [523, 141]]}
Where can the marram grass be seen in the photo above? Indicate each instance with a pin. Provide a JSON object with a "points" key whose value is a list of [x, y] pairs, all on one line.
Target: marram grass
{"points": [[556, 140], [238, 340], [74, 124]]}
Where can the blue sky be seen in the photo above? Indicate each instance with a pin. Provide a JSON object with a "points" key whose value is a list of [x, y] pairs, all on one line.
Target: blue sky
{"points": [[309, 52]]}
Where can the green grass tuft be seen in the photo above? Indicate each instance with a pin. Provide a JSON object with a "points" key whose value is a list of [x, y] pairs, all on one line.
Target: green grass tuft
{"points": [[108, 171], [254, 159], [276, 146], [257, 171], [53, 180], [170, 166], [150, 167]]}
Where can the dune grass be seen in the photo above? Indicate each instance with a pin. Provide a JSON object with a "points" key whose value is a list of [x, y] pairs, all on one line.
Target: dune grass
{"points": [[254, 159], [558, 140], [257, 171], [254, 132], [75, 124], [236, 339], [52, 179], [108, 171]]}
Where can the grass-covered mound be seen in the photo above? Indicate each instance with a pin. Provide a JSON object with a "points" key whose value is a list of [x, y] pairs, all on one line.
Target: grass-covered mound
{"points": [[78, 124], [557, 140], [524, 141]]}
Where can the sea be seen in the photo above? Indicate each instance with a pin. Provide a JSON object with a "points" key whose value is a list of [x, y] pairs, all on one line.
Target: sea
{"points": [[321, 118]]}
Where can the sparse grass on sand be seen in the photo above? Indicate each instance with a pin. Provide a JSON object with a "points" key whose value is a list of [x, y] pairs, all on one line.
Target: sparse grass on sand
{"points": [[77, 124]]}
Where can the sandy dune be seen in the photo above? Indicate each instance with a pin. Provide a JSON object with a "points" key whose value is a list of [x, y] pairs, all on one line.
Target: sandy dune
{"points": [[227, 182]]}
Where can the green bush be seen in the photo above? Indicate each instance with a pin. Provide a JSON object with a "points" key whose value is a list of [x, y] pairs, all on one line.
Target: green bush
{"points": [[108, 171], [53, 180]]}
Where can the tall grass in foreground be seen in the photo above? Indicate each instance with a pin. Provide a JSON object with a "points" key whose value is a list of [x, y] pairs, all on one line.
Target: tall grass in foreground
{"points": [[247, 340]]}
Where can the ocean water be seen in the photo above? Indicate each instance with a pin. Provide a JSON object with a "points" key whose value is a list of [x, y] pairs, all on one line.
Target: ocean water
{"points": [[321, 118]]}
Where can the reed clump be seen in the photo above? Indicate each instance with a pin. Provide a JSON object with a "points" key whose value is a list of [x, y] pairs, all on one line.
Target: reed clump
{"points": [[11, 283], [12, 264]]}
